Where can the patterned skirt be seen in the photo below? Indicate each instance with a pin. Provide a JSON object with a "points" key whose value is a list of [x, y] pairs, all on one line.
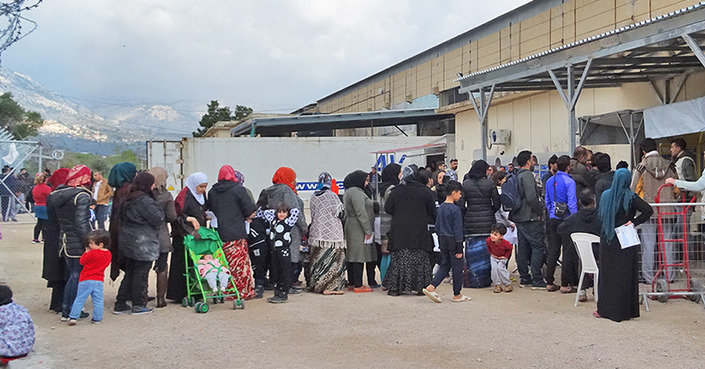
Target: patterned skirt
{"points": [[409, 271], [236, 253], [327, 269]]}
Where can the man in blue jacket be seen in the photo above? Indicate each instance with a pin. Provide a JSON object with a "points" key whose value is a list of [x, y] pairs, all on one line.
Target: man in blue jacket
{"points": [[561, 201]]}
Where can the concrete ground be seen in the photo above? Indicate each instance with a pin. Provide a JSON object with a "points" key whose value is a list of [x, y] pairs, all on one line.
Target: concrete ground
{"points": [[524, 328]]}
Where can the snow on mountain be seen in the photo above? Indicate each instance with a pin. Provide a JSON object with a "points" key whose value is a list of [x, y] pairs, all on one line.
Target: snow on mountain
{"points": [[99, 127]]}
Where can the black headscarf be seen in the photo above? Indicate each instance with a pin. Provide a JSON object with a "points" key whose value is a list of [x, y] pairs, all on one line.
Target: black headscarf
{"points": [[410, 174], [141, 185], [355, 179], [390, 177], [478, 170]]}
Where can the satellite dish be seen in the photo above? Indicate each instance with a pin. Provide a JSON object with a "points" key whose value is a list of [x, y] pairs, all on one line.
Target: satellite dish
{"points": [[57, 154]]}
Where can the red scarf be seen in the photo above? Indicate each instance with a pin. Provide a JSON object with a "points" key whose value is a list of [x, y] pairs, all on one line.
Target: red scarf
{"points": [[227, 173], [58, 178], [285, 176]]}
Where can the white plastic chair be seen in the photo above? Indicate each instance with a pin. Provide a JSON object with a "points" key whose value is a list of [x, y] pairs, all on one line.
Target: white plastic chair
{"points": [[583, 243]]}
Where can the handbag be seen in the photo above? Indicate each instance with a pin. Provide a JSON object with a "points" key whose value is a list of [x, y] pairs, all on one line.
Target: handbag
{"points": [[560, 209]]}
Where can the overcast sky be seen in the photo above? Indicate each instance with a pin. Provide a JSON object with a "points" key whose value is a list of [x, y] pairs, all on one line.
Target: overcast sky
{"points": [[275, 56]]}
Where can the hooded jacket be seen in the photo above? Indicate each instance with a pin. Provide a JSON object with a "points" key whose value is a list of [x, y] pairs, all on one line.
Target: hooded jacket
{"points": [[533, 208], [582, 175], [650, 174], [70, 207], [231, 204], [586, 220], [604, 182], [140, 220]]}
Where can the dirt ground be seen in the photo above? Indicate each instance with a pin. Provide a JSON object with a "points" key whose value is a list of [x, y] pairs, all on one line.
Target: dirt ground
{"points": [[524, 328]]}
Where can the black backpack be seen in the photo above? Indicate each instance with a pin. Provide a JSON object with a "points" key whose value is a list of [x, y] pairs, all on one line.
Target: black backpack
{"points": [[511, 193]]}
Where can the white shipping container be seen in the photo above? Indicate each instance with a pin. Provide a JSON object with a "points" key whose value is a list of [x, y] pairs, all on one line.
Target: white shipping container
{"points": [[259, 157]]}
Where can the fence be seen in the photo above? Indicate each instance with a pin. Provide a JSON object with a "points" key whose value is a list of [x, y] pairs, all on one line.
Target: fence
{"points": [[672, 261]]}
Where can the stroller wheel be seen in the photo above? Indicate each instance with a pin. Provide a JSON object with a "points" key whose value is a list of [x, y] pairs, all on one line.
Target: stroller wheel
{"points": [[201, 307], [215, 301], [222, 300], [184, 302], [238, 304]]}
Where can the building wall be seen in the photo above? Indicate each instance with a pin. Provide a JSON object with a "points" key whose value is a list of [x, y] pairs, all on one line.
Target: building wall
{"points": [[519, 35], [539, 121]]}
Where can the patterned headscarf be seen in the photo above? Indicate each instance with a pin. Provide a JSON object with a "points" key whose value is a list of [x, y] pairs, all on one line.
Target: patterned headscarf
{"points": [[79, 175], [240, 178], [285, 176], [619, 196], [410, 174]]}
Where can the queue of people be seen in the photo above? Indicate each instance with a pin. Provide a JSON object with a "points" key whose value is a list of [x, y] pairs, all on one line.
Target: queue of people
{"points": [[419, 220]]}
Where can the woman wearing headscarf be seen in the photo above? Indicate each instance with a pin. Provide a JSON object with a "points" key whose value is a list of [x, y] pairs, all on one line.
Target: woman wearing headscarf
{"points": [[69, 206], [619, 274], [53, 265], [120, 177], [480, 203], [283, 191], [166, 201], [190, 217], [359, 230], [229, 201], [390, 179], [140, 218], [411, 205], [326, 240]]}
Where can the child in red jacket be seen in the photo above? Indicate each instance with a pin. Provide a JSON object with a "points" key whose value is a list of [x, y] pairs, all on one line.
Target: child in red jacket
{"points": [[500, 251], [90, 282]]}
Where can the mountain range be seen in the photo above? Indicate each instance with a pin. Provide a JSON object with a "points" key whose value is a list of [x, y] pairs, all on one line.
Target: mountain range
{"points": [[100, 128]]}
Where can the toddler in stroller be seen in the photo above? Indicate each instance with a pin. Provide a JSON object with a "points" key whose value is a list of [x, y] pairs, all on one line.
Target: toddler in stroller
{"points": [[213, 272]]}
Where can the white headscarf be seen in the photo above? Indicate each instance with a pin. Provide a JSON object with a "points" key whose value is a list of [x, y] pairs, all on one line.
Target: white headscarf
{"points": [[193, 181]]}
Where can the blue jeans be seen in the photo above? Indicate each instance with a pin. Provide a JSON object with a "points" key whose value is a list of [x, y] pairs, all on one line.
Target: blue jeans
{"points": [[94, 289], [449, 262], [101, 215], [74, 267], [531, 251]]}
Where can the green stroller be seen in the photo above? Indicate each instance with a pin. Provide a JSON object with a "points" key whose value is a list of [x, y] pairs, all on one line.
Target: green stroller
{"points": [[210, 243]]}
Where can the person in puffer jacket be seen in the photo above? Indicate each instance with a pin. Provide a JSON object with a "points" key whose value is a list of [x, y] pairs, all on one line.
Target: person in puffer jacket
{"points": [[69, 206], [141, 217]]}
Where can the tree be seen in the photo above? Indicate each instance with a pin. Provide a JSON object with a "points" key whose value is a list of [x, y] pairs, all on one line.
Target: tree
{"points": [[216, 114], [16, 120]]}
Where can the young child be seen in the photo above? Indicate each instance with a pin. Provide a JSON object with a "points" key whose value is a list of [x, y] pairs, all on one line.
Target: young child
{"points": [[213, 271], [500, 251], [16, 327], [258, 244], [449, 228], [282, 221], [90, 282]]}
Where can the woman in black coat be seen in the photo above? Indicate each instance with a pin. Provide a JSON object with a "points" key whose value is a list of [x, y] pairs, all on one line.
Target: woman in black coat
{"points": [[191, 216], [410, 204], [141, 217]]}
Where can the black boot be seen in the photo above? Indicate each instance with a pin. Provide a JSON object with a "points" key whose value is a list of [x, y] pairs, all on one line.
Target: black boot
{"points": [[259, 291], [162, 281], [280, 297]]}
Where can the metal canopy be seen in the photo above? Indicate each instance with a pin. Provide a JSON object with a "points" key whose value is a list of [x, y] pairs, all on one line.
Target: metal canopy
{"points": [[667, 45], [662, 47], [337, 121]]}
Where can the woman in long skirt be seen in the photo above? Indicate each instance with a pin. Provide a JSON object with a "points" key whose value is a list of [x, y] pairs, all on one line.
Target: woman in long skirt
{"points": [[619, 275], [410, 204], [326, 240]]}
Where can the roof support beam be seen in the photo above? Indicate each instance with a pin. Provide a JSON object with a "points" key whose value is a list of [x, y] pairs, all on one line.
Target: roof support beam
{"points": [[481, 111], [571, 98], [695, 47]]}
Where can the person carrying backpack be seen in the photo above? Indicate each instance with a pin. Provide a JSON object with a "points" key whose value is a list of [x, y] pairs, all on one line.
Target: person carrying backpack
{"points": [[527, 209]]}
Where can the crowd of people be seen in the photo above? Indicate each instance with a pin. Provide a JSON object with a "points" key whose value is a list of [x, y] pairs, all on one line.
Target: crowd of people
{"points": [[409, 228]]}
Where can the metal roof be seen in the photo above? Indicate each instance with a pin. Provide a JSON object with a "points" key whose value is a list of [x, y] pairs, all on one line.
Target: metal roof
{"points": [[338, 121], [639, 52]]}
